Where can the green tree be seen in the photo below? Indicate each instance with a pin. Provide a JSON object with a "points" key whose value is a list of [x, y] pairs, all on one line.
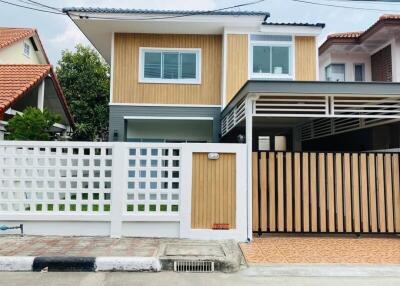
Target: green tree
{"points": [[32, 124], [85, 79]]}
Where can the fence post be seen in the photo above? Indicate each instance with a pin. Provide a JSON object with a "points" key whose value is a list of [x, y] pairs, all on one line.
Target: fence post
{"points": [[117, 193]]}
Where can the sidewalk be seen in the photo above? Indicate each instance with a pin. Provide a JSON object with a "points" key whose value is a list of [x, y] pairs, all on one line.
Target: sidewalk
{"points": [[57, 253]]}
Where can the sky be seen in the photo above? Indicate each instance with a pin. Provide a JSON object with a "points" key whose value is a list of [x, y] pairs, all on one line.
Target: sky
{"points": [[58, 33]]}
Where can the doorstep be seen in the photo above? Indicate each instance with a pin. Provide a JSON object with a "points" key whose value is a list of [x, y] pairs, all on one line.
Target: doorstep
{"points": [[57, 253]]}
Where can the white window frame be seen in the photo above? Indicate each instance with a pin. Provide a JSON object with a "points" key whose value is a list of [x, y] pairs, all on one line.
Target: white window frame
{"points": [[196, 80], [26, 45], [271, 75]]}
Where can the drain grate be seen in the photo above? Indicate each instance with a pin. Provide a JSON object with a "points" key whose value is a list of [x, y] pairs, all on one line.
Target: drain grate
{"points": [[193, 266]]}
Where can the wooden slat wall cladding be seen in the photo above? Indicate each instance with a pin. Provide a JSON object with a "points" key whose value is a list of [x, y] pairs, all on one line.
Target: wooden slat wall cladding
{"points": [[213, 191], [237, 64], [311, 192], [306, 58], [127, 89]]}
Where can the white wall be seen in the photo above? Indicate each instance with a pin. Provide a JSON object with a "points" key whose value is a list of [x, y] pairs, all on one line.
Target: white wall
{"points": [[193, 130], [396, 60], [14, 54], [349, 60]]}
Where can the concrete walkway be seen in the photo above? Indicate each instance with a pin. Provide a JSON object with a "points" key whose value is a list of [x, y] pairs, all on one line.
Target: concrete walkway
{"points": [[323, 249], [56, 253]]}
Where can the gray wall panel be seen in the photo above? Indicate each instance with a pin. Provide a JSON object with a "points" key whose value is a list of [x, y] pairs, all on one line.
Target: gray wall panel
{"points": [[117, 113]]}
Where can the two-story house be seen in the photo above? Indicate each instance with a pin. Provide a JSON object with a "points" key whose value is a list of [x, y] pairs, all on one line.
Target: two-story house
{"points": [[201, 76], [28, 79], [174, 71], [371, 55]]}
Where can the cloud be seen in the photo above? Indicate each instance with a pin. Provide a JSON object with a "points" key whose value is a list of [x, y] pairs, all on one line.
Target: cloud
{"points": [[71, 34]]}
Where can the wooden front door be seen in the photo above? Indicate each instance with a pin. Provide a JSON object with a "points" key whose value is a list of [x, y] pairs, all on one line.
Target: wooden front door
{"points": [[213, 191]]}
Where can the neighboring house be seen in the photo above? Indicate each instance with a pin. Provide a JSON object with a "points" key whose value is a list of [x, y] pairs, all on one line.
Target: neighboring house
{"points": [[27, 78], [371, 55], [190, 76]]}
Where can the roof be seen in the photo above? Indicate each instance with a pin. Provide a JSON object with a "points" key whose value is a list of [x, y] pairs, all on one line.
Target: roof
{"points": [[320, 25], [9, 36], [311, 87], [17, 80], [162, 12], [345, 35], [358, 37]]}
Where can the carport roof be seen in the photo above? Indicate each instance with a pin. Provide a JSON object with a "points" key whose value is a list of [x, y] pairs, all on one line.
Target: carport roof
{"points": [[312, 87]]}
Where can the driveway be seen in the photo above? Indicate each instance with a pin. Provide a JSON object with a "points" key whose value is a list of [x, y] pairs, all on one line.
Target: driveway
{"points": [[323, 249]]}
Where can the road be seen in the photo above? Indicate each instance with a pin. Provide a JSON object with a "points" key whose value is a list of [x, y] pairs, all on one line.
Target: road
{"points": [[177, 279]]}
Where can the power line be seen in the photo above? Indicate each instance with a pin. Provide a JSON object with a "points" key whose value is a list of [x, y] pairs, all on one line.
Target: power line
{"points": [[343, 6], [31, 8], [59, 12], [43, 5], [171, 17]]}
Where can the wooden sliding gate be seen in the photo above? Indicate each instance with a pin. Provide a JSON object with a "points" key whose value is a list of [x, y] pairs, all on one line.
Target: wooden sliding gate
{"points": [[309, 192]]}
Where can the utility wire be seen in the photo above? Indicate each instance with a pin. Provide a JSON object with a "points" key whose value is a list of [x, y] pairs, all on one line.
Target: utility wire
{"points": [[43, 5], [31, 8], [59, 12], [343, 6], [194, 13]]}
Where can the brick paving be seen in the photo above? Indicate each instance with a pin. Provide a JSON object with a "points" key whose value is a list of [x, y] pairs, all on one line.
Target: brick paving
{"points": [[307, 249], [77, 246]]}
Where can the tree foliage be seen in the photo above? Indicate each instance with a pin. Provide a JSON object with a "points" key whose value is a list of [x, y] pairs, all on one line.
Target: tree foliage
{"points": [[85, 79], [32, 124]]}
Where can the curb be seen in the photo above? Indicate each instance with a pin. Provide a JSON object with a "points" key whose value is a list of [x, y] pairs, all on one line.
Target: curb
{"points": [[79, 264]]}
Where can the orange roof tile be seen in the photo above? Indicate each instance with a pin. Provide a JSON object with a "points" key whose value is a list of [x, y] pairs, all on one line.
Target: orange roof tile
{"points": [[389, 17], [15, 80], [346, 35], [12, 35]]}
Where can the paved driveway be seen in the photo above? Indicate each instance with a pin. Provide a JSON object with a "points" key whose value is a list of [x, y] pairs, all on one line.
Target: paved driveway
{"points": [[323, 249]]}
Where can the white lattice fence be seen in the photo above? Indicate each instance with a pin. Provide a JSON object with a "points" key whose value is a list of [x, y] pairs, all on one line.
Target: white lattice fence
{"points": [[153, 180], [55, 179], [116, 189]]}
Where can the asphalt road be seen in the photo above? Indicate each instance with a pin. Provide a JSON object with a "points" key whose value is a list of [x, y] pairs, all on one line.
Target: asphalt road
{"points": [[177, 279]]}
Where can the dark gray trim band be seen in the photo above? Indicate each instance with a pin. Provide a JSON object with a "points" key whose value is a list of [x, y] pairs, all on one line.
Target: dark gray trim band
{"points": [[64, 263]]}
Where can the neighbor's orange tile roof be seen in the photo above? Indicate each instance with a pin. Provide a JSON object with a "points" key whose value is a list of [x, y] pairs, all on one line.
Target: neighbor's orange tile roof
{"points": [[345, 35], [15, 80], [12, 35]]}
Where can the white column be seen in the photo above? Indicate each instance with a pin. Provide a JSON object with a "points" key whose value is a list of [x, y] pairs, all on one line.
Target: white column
{"points": [[249, 144], [40, 101], [118, 189]]}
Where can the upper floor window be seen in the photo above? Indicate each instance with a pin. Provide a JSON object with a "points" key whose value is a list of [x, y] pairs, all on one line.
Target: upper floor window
{"points": [[359, 72], [335, 72], [271, 56], [170, 65], [27, 49]]}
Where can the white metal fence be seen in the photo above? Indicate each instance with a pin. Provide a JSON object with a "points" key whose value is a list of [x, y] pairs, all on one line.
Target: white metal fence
{"points": [[102, 185]]}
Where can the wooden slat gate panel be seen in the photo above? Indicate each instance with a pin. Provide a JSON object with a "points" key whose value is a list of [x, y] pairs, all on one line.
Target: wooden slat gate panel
{"points": [[213, 191], [313, 192]]}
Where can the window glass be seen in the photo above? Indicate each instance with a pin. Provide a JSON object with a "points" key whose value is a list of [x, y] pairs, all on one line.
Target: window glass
{"points": [[335, 72], [261, 59], [188, 62], [170, 65], [26, 49], [359, 72], [280, 60], [152, 65]]}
